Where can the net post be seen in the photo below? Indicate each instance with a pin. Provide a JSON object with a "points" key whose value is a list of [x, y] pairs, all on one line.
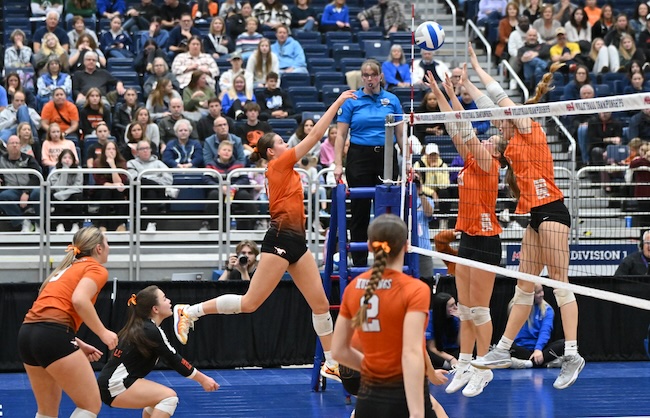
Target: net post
{"points": [[388, 148]]}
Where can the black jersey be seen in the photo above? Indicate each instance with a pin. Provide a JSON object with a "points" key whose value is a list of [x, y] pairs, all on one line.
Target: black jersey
{"points": [[127, 364]]}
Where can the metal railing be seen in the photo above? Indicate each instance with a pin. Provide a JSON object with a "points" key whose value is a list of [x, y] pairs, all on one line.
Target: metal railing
{"points": [[469, 24]]}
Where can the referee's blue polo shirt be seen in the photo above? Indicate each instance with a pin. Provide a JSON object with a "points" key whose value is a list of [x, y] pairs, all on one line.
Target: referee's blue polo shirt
{"points": [[366, 116]]}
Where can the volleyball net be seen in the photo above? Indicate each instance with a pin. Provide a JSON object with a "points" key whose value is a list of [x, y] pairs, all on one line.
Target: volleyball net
{"points": [[606, 218]]}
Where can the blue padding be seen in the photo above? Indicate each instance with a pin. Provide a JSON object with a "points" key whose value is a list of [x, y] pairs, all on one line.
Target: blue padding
{"points": [[188, 193], [362, 192]]}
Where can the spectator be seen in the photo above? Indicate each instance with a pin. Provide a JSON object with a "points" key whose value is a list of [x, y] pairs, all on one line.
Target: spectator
{"points": [[166, 123], [18, 55], [138, 17], [123, 114], [397, 72], [66, 187], [628, 52], [641, 180], [429, 104], [605, 57], [435, 184], [224, 163], [111, 187], [236, 23], [247, 41], [546, 25], [235, 98], [251, 131], [563, 11], [28, 145], [639, 19], [93, 112], [602, 130], [205, 125], [636, 264], [62, 112], [465, 99], [51, 49], [577, 124], [507, 25], [262, 62], [218, 44], [44, 7], [428, 63], [13, 84], [94, 151], [52, 79], [222, 133], [533, 56], [16, 113], [289, 52], [194, 59], [157, 33], [639, 126], [563, 51], [128, 145], [183, 152], [202, 10], [578, 29], [593, 12], [151, 131], [158, 103], [531, 10], [604, 23], [613, 36], [144, 59], [51, 26], [572, 88], [108, 9], [91, 76], [171, 12], [18, 187], [443, 331], [517, 40], [229, 8], [336, 17], [235, 270], [301, 133], [85, 44], [637, 84], [116, 42], [54, 143], [79, 28], [327, 147], [180, 36], [272, 14], [490, 13], [387, 15], [226, 79], [303, 16], [160, 176], [160, 70], [197, 94], [274, 102]]}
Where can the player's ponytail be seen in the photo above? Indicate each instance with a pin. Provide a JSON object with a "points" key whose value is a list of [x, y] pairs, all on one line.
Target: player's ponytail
{"points": [[139, 310], [545, 84], [263, 144], [510, 179]]}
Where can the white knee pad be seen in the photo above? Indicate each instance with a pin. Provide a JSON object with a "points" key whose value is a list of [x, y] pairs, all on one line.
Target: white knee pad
{"points": [[563, 296], [523, 298], [480, 315], [148, 410], [42, 416], [463, 313], [168, 405], [82, 413], [322, 323], [229, 304]]}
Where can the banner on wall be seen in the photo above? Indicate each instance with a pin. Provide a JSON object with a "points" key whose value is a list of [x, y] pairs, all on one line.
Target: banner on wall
{"points": [[585, 259]]}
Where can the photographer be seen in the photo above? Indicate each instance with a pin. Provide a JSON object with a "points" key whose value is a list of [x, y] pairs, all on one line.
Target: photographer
{"points": [[242, 264]]}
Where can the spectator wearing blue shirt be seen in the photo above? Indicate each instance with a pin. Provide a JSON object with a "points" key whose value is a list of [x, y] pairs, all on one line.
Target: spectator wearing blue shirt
{"points": [[4, 102], [443, 331], [480, 126], [222, 133], [336, 17], [424, 214], [116, 43], [183, 152], [637, 84], [108, 9], [179, 37], [159, 35], [51, 25], [289, 52], [364, 120], [531, 347], [396, 71]]}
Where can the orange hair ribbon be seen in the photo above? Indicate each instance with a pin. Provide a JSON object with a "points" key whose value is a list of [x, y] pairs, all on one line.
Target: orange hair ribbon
{"points": [[381, 244], [74, 249], [256, 150], [132, 300]]}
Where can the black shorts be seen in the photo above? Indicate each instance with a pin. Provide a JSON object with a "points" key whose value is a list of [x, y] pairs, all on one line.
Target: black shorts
{"points": [[111, 389], [287, 245], [550, 212], [43, 343], [351, 379], [479, 248], [387, 400]]}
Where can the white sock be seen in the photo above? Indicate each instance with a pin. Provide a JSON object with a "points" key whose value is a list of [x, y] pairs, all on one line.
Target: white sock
{"points": [[329, 360], [504, 343], [464, 358], [570, 347], [82, 413], [195, 311]]}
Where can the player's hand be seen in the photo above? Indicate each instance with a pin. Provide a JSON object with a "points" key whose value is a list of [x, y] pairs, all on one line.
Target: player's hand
{"points": [[349, 94], [537, 357], [472, 56], [338, 172], [109, 338], [91, 352], [430, 80], [209, 384], [437, 377]]}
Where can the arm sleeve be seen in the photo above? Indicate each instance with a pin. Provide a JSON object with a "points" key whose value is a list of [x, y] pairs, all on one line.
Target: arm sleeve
{"points": [[167, 352]]}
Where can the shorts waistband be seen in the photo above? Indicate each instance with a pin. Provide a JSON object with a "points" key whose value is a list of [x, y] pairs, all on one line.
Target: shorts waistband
{"points": [[56, 325], [377, 149]]}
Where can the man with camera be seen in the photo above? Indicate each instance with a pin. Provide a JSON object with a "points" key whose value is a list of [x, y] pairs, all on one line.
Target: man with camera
{"points": [[242, 264]]}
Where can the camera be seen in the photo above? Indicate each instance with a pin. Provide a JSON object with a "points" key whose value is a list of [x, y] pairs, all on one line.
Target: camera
{"points": [[242, 259]]}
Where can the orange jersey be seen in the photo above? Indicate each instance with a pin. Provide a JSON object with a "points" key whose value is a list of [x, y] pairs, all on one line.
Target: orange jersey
{"points": [[477, 193], [381, 336], [285, 194], [532, 163], [54, 303]]}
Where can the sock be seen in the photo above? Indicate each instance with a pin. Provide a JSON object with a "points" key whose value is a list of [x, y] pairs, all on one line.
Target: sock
{"points": [[479, 358], [505, 343], [570, 347], [195, 311], [329, 360], [464, 358]]}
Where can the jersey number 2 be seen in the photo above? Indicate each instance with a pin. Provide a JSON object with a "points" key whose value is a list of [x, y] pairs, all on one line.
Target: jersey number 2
{"points": [[372, 323]]}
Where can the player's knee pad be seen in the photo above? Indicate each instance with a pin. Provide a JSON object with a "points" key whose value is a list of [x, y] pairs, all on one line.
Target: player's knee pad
{"points": [[322, 323], [464, 313], [148, 410], [168, 405], [563, 296], [229, 304], [480, 315], [82, 413], [523, 298], [43, 416]]}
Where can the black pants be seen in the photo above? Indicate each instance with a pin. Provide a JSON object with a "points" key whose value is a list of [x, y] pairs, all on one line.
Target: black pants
{"points": [[556, 347], [151, 193], [364, 168], [63, 209], [237, 209], [120, 208]]}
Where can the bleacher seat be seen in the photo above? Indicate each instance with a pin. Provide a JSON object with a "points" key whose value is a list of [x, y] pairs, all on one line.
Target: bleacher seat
{"points": [[300, 94], [555, 95], [128, 78], [340, 51], [438, 139], [377, 49], [617, 153], [351, 64], [559, 80], [370, 36], [315, 116], [120, 65], [603, 90], [447, 152], [400, 38], [332, 92], [309, 107], [188, 193], [295, 79], [404, 93], [308, 37], [321, 64], [223, 64], [322, 78], [270, 35], [332, 38], [284, 127], [315, 51]]}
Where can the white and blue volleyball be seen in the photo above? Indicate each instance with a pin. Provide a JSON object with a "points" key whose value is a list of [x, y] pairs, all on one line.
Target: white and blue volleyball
{"points": [[429, 36]]}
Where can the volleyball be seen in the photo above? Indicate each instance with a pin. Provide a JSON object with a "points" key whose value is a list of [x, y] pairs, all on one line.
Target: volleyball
{"points": [[430, 36]]}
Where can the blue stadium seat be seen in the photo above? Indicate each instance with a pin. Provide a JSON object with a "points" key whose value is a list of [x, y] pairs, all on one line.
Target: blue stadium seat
{"points": [[284, 127], [300, 94], [340, 51], [128, 78], [351, 64], [185, 193], [404, 94], [315, 51], [331, 92], [378, 49], [321, 64], [302, 107], [447, 152], [332, 38], [440, 140], [308, 37], [295, 79], [320, 79], [400, 38], [312, 115], [270, 35], [603, 90], [555, 95], [120, 64], [617, 153]]}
